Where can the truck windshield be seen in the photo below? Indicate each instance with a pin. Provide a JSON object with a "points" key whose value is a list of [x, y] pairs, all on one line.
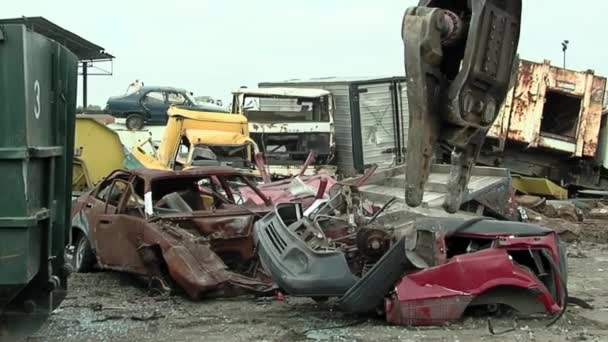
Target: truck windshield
{"points": [[228, 155], [286, 109]]}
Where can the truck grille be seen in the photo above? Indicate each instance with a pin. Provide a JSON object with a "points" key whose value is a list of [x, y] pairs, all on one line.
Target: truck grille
{"points": [[274, 237]]}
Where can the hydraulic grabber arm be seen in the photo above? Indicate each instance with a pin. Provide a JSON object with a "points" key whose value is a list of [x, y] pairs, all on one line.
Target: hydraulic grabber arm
{"points": [[458, 60]]}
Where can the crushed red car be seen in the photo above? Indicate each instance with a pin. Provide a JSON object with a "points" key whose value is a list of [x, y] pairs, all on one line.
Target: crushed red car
{"points": [[187, 228], [479, 263], [195, 229], [418, 271]]}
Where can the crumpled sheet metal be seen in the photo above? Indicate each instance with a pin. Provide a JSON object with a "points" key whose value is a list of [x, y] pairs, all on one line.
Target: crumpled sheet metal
{"points": [[197, 269], [278, 192], [440, 294]]}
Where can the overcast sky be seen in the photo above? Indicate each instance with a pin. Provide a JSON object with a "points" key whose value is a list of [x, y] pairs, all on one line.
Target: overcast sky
{"points": [[213, 46]]}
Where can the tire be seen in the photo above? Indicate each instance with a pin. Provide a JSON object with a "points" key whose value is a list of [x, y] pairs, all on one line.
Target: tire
{"points": [[135, 122], [84, 259], [320, 299]]}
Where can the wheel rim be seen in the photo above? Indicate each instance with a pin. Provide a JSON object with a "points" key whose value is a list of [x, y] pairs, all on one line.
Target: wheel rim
{"points": [[80, 250], [132, 124]]}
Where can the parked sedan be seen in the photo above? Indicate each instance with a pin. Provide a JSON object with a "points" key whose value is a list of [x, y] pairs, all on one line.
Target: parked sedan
{"points": [[149, 105], [185, 228]]}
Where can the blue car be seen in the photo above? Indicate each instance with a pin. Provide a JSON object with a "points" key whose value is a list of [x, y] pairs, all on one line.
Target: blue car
{"points": [[149, 105]]}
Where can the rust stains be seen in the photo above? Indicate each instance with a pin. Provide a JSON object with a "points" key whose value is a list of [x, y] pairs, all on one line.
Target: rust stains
{"points": [[553, 108], [188, 232], [591, 130]]}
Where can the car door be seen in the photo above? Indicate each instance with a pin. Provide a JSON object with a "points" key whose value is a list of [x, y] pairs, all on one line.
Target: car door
{"points": [[91, 207], [155, 104], [87, 217], [119, 232]]}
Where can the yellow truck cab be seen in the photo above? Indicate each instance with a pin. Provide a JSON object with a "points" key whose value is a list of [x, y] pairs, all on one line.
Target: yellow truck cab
{"points": [[200, 147], [198, 138]]}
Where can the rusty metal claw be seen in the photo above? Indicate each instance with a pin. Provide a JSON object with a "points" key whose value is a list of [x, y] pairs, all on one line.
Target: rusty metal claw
{"points": [[458, 60]]}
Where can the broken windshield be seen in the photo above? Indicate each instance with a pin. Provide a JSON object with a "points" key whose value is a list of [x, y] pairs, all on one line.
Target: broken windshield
{"points": [[188, 194], [232, 155], [286, 109]]}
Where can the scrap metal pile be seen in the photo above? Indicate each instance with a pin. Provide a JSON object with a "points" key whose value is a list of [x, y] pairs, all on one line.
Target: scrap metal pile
{"points": [[211, 231], [415, 271], [254, 200]]}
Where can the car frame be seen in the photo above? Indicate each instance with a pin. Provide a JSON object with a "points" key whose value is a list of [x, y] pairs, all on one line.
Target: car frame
{"points": [[121, 225], [434, 269]]}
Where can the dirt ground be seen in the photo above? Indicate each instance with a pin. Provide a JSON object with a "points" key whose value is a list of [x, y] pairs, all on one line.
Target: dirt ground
{"points": [[107, 306]]}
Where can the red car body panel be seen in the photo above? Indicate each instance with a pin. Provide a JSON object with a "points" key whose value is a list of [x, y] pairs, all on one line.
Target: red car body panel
{"points": [[278, 192], [440, 294]]}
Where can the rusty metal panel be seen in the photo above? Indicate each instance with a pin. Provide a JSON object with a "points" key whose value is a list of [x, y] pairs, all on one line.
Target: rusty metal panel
{"points": [[567, 81], [590, 132], [528, 95], [521, 119], [590, 89], [500, 128]]}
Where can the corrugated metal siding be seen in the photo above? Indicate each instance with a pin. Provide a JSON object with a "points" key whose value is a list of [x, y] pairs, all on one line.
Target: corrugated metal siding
{"points": [[378, 134], [343, 128]]}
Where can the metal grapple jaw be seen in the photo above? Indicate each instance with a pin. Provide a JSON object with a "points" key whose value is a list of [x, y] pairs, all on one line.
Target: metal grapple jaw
{"points": [[458, 61]]}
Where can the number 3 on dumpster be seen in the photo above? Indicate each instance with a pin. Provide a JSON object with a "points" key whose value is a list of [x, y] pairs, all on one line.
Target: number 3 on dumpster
{"points": [[37, 99]]}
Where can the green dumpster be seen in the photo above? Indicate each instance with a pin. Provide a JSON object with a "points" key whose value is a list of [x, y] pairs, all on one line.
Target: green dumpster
{"points": [[37, 105]]}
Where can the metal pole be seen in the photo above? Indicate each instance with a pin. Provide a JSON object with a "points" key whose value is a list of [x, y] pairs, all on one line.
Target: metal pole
{"points": [[85, 87], [564, 48]]}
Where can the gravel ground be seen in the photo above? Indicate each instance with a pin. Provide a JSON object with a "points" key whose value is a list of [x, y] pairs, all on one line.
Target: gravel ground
{"points": [[107, 306]]}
